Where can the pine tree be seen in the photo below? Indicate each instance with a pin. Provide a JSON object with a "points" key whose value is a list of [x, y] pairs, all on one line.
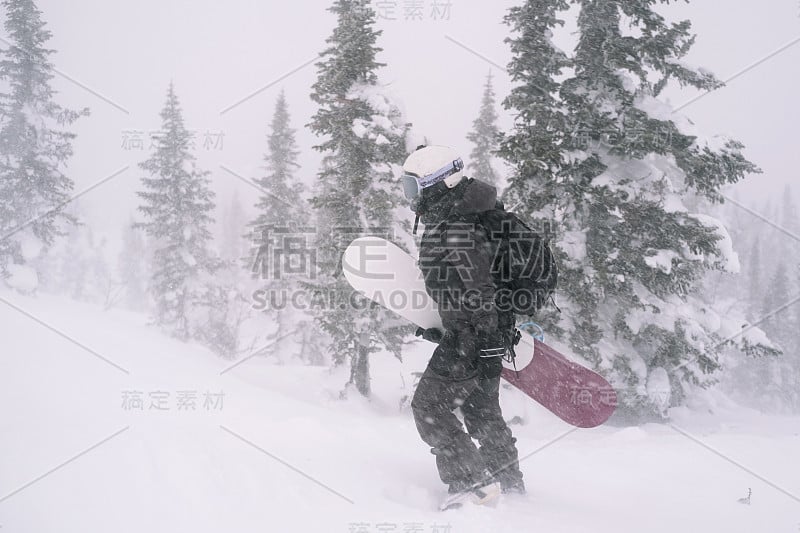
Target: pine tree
{"points": [[485, 137], [132, 267], [533, 147], [177, 206], [78, 266], [357, 190], [755, 286], [281, 205], [791, 352], [234, 244], [617, 173], [777, 379], [74, 274], [789, 209], [34, 144], [777, 293], [790, 248], [282, 220], [105, 288]]}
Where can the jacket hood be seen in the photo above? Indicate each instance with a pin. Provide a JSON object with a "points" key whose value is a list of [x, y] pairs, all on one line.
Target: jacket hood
{"points": [[478, 197], [469, 197]]}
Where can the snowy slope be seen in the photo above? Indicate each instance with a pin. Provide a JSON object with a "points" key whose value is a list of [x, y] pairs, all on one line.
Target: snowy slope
{"points": [[282, 452]]}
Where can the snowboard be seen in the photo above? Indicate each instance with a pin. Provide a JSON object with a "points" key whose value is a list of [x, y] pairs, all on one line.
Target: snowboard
{"points": [[385, 273]]}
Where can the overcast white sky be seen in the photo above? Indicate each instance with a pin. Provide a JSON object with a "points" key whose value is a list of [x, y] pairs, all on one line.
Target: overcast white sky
{"points": [[219, 52]]}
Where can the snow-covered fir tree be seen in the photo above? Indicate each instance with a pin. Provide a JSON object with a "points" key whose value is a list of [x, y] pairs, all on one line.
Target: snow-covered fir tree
{"points": [[177, 204], [132, 267], [34, 145], [234, 243], [281, 204], [533, 147], [764, 291], [789, 246], [754, 274], [84, 273], [777, 380], [776, 293], [623, 178], [363, 142], [76, 264], [771, 383], [485, 137], [282, 225]]}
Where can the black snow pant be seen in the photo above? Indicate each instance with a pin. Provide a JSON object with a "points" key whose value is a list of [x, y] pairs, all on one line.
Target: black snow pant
{"points": [[459, 461]]}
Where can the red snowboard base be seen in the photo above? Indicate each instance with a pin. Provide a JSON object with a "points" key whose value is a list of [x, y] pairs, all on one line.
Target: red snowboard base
{"points": [[573, 393]]}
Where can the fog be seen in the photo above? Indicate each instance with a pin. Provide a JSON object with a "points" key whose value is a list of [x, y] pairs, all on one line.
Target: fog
{"points": [[229, 60]]}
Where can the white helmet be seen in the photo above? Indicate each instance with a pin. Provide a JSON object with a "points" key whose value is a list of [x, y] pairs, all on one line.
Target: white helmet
{"points": [[428, 166]]}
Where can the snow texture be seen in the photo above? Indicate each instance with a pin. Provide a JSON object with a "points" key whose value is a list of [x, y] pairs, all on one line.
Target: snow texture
{"points": [[728, 259], [661, 259], [283, 453], [22, 277]]}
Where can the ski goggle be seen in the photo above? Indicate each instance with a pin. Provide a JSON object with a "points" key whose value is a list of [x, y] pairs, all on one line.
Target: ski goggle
{"points": [[413, 184]]}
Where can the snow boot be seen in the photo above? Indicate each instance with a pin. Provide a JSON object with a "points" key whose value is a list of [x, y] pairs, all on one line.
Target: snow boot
{"points": [[513, 487], [486, 494]]}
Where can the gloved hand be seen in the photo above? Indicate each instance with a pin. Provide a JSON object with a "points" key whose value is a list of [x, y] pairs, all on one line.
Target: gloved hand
{"points": [[482, 313], [433, 335], [492, 349]]}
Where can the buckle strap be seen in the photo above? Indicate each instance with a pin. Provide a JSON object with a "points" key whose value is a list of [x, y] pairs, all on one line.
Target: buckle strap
{"points": [[493, 352]]}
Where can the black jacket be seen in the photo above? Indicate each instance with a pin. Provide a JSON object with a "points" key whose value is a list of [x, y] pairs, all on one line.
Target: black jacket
{"points": [[456, 257]]}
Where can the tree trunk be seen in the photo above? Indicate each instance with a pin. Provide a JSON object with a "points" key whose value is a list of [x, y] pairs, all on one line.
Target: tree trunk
{"points": [[359, 370]]}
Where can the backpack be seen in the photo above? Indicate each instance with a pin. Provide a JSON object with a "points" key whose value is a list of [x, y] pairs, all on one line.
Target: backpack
{"points": [[524, 268]]}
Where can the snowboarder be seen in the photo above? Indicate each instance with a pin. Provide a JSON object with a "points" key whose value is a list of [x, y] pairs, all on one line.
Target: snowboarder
{"points": [[456, 255]]}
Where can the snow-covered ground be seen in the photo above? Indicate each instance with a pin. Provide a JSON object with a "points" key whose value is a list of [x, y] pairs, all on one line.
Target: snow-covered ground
{"points": [[262, 447]]}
